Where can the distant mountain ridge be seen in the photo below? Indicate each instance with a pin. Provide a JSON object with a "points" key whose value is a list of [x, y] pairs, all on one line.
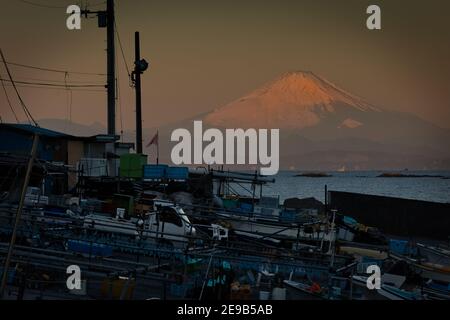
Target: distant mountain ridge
{"points": [[321, 127]]}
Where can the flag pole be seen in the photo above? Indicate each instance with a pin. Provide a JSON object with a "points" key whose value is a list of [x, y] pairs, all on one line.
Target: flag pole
{"points": [[157, 147]]}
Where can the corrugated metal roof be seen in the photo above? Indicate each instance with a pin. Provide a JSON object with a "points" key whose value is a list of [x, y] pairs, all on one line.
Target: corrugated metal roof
{"points": [[33, 129]]}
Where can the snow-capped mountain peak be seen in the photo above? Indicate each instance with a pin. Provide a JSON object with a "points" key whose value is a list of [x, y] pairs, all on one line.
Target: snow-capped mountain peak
{"points": [[294, 100]]}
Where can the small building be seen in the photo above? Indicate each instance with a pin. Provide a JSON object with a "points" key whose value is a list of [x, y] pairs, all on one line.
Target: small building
{"points": [[18, 138], [88, 156]]}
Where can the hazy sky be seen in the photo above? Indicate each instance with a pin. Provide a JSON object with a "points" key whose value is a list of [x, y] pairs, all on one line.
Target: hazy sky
{"points": [[204, 54]]}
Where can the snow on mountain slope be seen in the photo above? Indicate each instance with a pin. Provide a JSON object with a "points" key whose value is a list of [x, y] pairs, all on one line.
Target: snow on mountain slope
{"points": [[295, 100]]}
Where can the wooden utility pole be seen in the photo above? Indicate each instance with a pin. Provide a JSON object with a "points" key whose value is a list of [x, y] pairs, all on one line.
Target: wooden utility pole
{"points": [[106, 20], [140, 65], [111, 81], [18, 214], [137, 85]]}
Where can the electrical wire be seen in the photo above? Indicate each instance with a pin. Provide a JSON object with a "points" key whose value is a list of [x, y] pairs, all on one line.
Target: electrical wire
{"points": [[27, 112], [121, 49], [128, 73], [119, 100], [57, 85], [9, 102], [19, 78], [50, 69], [41, 5], [95, 4], [69, 98], [55, 88], [57, 7]]}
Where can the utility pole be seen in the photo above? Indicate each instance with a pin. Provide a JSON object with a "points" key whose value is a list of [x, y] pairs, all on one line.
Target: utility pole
{"points": [[140, 65], [110, 51], [106, 20], [137, 84], [18, 214]]}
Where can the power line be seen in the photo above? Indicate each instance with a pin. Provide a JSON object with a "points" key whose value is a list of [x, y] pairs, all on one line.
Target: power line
{"points": [[95, 4], [69, 97], [27, 112], [128, 73], [19, 78], [58, 85], [9, 102], [50, 69], [120, 103], [41, 5], [36, 4], [54, 88], [121, 49]]}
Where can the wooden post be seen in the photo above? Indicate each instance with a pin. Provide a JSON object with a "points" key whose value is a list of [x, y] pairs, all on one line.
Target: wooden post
{"points": [[19, 213]]}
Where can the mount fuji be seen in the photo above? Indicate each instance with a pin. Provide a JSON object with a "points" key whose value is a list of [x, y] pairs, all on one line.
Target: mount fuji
{"points": [[296, 100], [325, 127]]}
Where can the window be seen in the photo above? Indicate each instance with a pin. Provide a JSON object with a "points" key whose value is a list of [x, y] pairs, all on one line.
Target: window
{"points": [[169, 215]]}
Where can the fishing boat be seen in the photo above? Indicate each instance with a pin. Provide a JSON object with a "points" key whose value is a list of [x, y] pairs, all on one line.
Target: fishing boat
{"points": [[434, 254], [437, 290], [270, 227], [307, 291], [388, 291], [426, 269], [167, 223], [259, 217]]}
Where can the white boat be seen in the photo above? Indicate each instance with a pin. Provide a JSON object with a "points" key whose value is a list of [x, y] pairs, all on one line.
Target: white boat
{"points": [[262, 228], [265, 222], [167, 223]]}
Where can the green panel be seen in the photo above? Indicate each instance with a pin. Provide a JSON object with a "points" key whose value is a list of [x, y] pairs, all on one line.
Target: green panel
{"points": [[131, 165], [230, 203]]}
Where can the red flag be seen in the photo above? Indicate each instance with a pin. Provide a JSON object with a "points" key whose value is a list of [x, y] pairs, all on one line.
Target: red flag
{"points": [[154, 140]]}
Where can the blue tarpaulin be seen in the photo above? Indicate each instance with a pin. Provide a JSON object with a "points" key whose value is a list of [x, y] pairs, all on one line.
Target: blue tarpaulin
{"points": [[177, 173], [155, 171], [400, 247]]}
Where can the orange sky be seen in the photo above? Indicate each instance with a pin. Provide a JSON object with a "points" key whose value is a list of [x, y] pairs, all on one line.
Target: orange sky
{"points": [[206, 53]]}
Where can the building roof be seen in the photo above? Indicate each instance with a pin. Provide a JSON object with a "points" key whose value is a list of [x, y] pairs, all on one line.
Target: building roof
{"points": [[101, 138], [129, 145], [35, 130]]}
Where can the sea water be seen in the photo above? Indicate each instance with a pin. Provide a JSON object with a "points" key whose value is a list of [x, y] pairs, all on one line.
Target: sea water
{"points": [[287, 185]]}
